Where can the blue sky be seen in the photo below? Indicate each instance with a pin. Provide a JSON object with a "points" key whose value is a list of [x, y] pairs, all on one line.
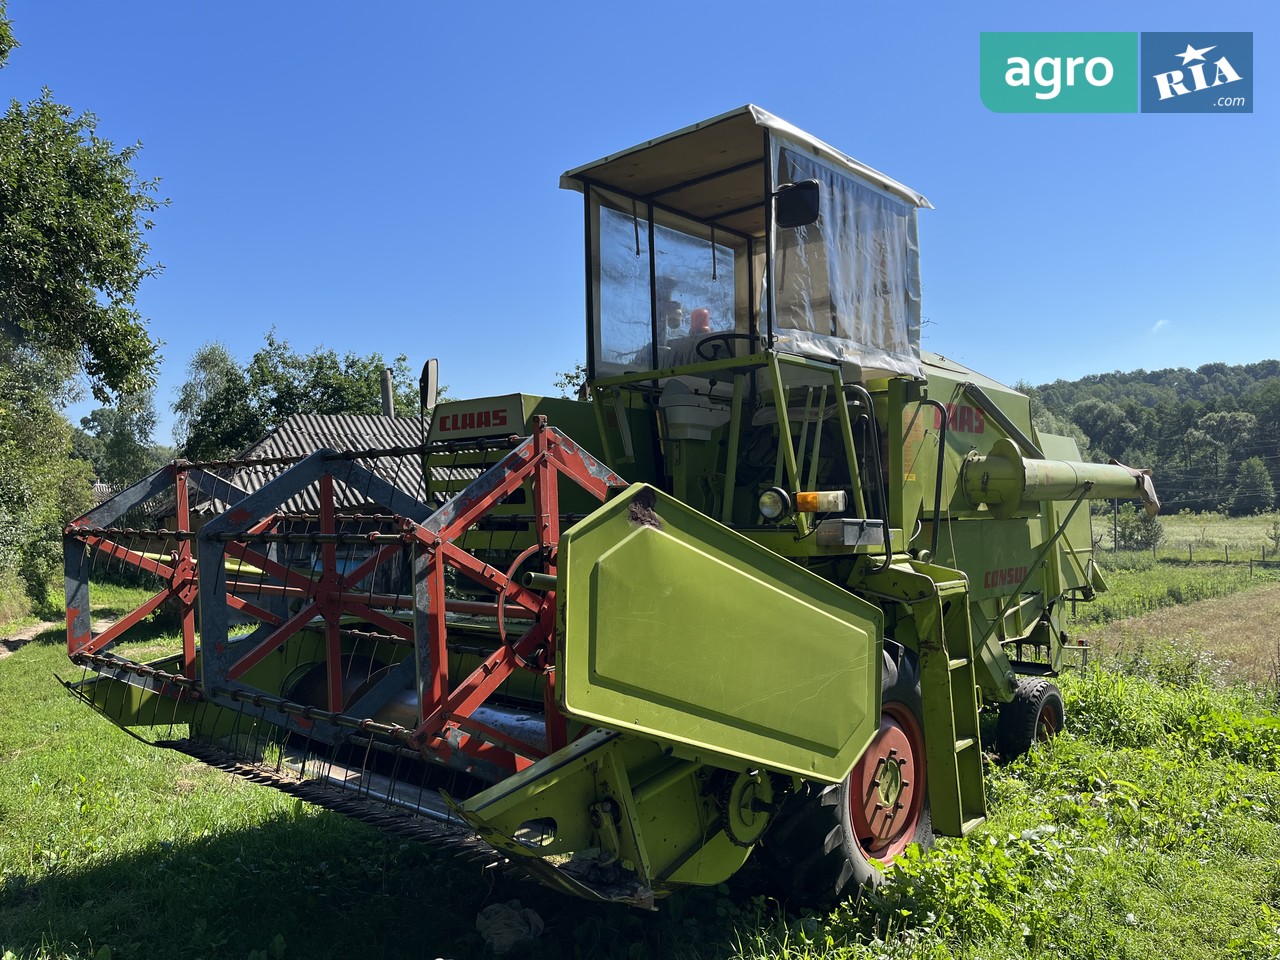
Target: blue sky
{"points": [[384, 176]]}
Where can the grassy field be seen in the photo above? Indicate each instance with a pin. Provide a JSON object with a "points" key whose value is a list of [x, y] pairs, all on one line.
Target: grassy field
{"points": [[1137, 584], [1151, 829], [1210, 536]]}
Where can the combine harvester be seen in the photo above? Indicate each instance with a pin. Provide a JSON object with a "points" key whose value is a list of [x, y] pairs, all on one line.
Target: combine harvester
{"points": [[748, 593]]}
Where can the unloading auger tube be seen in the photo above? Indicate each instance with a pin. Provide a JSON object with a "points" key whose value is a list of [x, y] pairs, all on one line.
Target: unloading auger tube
{"points": [[1004, 479], [747, 602]]}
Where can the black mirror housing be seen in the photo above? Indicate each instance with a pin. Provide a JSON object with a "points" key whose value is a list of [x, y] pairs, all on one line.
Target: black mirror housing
{"points": [[796, 204]]}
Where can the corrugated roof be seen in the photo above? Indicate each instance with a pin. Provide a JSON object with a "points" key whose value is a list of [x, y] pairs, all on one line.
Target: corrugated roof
{"points": [[305, 433]]}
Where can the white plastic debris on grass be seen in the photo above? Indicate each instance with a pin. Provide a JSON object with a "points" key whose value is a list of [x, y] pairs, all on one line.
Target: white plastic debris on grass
{"points": [[503, 925]]}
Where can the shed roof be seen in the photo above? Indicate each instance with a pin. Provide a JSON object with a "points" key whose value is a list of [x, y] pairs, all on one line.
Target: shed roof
{"points": [[304, 433]]}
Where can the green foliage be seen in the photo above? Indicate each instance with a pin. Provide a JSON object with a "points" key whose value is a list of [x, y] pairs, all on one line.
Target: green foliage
{"points": [[571, 382], [7, 42], [1194, 428], [116, 441], [213, 379], [1254, 491], [1106, 426], [40, 487], [72, 216], [1136, 530], [224, 407], [1149, 829]]}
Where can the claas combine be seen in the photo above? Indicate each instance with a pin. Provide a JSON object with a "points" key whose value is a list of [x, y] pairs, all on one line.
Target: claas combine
{"points": [[745, 597]]}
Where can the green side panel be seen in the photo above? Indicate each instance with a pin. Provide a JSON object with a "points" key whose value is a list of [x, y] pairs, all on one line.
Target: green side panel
{"points": [[512, 413], [678, 628], [995, 554], [611, 817], [969, 430]]}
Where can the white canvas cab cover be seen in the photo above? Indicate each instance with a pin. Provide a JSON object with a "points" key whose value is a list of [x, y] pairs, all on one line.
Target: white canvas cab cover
{"points": [[846, 288]]}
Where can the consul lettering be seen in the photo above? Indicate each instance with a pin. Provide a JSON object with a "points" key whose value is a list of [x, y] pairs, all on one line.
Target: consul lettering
{"points": [[1005, 577]]}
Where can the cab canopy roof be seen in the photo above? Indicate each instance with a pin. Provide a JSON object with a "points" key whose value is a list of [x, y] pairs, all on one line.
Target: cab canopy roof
{"points": [[716, 171]]}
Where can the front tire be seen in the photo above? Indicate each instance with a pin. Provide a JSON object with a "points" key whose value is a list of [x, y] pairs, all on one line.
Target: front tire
{"points": [[829, 836], [1034, 715]]}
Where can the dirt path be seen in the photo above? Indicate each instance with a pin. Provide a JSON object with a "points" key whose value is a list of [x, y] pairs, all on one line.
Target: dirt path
{"points": [[9, 644]]}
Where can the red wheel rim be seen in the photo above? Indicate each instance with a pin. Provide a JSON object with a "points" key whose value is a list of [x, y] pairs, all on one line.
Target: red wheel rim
{"points": [[887, 787], [1048, 723]]}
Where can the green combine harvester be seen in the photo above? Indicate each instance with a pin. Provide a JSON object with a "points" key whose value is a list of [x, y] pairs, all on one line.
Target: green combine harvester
{"points": [[746, 597]]}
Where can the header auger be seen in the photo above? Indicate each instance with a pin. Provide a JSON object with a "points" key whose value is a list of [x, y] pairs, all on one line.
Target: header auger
{"points": [[746, 598]]}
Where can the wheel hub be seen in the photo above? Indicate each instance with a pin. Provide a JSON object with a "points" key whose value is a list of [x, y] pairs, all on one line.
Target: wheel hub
{"points": [[748, 804], [891, 779], [886, 789]]}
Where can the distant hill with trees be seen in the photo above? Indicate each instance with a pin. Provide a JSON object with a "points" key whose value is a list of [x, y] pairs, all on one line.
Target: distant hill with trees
{"points": [[1211, 435]]}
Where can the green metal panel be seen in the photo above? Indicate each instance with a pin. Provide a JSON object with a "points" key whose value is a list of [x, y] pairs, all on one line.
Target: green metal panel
{"points": [[678, 628], [615, 819]]}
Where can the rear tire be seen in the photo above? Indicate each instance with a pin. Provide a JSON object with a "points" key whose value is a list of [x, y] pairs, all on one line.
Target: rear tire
{"points": [[1034, 715], [827, 836]]}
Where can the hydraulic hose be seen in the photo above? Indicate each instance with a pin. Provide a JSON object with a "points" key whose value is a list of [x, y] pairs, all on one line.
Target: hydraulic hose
{"points": [[874, 431]]}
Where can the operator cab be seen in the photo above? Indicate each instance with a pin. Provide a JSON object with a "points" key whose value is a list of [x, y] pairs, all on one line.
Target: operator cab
{"points": [[745, 280], [741, 235]]}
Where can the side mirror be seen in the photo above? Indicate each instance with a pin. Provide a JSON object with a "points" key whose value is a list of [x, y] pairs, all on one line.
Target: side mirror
{"points": [[796, 204], [429, 385]]}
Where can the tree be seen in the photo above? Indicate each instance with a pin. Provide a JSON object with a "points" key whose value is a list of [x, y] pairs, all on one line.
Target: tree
{"points": [[224, 408], [7, 42], [212, 413], [571, 383], [1136, 530], [117, 441], [41, 487], [72, 217], [1206, 460], [1105, 424], [1254, 493]]}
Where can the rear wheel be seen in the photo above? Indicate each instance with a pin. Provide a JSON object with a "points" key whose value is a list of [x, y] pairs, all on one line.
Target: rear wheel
{"points": [[1035, 714], [830, 836]]}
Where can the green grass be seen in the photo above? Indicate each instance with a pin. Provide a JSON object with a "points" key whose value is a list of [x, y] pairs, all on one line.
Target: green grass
{"points": [[15, 606], [1137, 584], [1215, 529], [1213, 536], [1151, 829], [1204, 537]]}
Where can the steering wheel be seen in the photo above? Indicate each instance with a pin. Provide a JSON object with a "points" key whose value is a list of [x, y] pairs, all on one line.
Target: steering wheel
{"points": [[715, 339]]}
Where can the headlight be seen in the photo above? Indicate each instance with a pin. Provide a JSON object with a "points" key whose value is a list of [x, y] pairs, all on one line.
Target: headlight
{"points": [[775, 504]]}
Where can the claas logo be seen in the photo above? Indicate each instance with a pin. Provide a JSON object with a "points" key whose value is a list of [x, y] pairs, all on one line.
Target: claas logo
{"points": [[961, 418], [476, 420]]}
